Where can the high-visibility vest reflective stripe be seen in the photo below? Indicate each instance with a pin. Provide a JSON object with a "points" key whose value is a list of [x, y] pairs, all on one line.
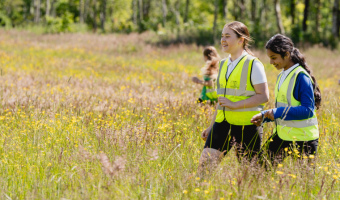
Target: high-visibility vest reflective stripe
{"points": [[211, 93], [237, 88], [235, 92], [297, 124], [258, 108], [293, 130]]}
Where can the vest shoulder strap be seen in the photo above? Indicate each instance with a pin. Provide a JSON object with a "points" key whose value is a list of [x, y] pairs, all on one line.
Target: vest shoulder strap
{"points": [[291, 84], [278, 76], [222, 62], [219, 72], [301, 69], [250, 57], [244, 74]]}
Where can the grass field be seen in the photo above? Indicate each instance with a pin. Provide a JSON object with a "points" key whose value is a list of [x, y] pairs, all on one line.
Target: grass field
{"points": [[111, 117]]}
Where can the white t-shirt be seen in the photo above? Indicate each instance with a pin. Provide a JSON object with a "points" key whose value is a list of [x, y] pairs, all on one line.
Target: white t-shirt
{"points": [[285, 73], [258, 75]]}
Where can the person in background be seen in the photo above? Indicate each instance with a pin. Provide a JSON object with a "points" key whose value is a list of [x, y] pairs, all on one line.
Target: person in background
{"points": [[209, 72], [242, 91], [297, 96]]}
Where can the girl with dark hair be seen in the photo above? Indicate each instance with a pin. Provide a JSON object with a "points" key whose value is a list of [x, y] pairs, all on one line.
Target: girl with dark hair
{"points": [[242, 91], [297, 95], [209, 72]]}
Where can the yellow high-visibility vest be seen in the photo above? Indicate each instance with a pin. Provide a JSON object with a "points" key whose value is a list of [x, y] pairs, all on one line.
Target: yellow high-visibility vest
{"points": [[211, 93], [238, 87], [293, 130]]}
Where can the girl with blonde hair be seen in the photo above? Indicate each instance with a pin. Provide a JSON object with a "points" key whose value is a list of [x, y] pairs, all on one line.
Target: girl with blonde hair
{"points": [[209, 72]]}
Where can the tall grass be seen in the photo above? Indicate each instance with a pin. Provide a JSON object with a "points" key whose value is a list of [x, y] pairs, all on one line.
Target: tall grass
{"points": [[110, 117]]}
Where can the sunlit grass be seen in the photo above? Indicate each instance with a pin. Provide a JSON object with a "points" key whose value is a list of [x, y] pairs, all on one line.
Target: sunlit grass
{"points": [[80, 120]]}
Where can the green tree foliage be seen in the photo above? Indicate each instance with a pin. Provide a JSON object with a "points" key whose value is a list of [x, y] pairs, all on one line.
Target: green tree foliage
{"points": [[187, 21]]}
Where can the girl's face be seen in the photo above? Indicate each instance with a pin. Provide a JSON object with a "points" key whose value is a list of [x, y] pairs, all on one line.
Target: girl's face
{"points": [[277, 60], [230, 42]]}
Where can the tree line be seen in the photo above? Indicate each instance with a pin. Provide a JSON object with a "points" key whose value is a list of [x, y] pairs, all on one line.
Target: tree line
{"points": [[200, 21]]}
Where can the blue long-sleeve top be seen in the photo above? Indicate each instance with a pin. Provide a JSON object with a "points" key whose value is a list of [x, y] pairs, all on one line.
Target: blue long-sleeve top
{"points": [[304, 93]]}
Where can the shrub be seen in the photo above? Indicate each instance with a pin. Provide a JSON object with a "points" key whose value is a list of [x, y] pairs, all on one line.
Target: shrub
{"points": [[59, 24]]}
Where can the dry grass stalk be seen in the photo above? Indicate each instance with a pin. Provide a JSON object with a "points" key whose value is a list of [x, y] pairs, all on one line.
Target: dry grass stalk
{"points": [[84, 154], [106, 165], [153, 154]]}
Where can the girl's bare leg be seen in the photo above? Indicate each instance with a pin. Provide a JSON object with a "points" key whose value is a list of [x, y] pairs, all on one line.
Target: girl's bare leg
{"points": [[210, 158]]}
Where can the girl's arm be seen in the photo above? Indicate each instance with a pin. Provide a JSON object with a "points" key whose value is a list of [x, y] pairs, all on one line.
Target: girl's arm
{"points": [[261, 96], [202, 82], [304, 93], [259, 81], [263, 117]]}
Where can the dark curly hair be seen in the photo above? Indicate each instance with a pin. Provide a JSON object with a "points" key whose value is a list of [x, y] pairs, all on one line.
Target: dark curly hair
{"points": [[281, 44]]}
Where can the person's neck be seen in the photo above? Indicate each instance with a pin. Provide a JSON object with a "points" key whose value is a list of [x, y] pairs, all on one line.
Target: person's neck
{"points": [[290, 64], [234, 56]]}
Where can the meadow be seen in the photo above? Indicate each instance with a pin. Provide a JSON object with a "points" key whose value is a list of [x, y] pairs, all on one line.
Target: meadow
{"points": [[87, 116]]}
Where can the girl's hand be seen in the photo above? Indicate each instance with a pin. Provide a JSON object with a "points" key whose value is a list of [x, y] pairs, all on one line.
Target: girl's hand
{"points": [[195, 79], [269, 115], [257, 119], [226, 102], [205, 133]]}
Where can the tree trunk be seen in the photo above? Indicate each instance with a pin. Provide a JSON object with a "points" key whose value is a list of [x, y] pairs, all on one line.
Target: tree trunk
{"points": [[94, 16], [175, 10], [134, 11], [225, 10], [103, 14], [85, 9], [318, 16], [37, 11], [278, 17], [338, 20], [27, 10], [292, 10], [146, 9], [264, 15], [140, 10], [81, 11], [32, 8], [165, 12], [111, 14], [140, 15], [53, 11], [335, 25], [186, 11], [263, 12], [242, 9], [305, 16], [253, 10], [215, 18], [177, 13], [48, 7]]}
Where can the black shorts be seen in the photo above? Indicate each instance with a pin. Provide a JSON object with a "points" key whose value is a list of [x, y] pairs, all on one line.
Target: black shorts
{"points": [[223, 136], [277, 149]]}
